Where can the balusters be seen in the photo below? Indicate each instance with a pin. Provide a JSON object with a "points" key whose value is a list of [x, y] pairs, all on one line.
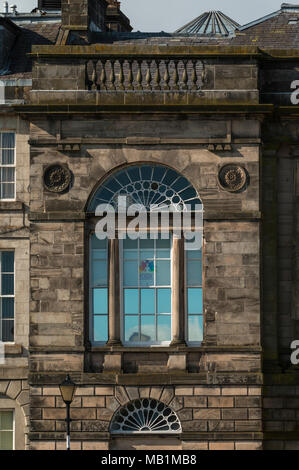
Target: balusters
{"points": [[185, 76], [130, 75], [194, 75], [166, 75], [157, 79], [175, 76], [94, 76], [142, 74], [121, 77], [112, 75], [148, 75], [139, 75]]}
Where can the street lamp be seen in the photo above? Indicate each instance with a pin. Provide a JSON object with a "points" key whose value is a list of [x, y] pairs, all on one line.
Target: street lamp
{"points": [[67, 390]]}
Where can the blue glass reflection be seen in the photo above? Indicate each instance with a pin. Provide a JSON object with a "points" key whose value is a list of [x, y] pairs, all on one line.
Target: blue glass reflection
{"points": [[100, 301], [100, 328], [195, 302], [131, 300]]}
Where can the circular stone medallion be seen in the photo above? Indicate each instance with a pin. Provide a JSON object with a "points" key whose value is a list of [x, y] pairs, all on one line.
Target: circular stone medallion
{"points": [[57, 178], [232, 177]]}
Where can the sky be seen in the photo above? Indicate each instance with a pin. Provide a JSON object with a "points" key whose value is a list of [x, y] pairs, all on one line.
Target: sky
{"points": [[169, 15]]}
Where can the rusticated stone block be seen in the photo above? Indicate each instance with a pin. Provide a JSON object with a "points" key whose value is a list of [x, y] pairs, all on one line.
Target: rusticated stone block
{"points": [[221, 445], [95, 426], [121, 395], [185, 414], [86, 413], [132, 392], [167, 395], [208, 413], [14, 388], [249, 402], [93, 402], [195, 425], [221, 402], [195, 402], [104, 414], [112, 362], [176, 403]]}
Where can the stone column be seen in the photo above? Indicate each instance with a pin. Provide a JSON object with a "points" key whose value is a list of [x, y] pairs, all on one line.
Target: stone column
{"points": [[177, 292], [114, 304]]}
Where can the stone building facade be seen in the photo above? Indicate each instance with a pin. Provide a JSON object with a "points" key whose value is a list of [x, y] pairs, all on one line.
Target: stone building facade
{"points": [[220, 112]]}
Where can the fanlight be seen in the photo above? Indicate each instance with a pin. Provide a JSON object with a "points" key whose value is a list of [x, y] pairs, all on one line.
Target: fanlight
{"points": [[154, 186], [145, 416]]}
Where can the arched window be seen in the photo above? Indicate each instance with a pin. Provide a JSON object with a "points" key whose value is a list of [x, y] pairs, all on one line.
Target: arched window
{"points": [[135, 282], [145, 416]]}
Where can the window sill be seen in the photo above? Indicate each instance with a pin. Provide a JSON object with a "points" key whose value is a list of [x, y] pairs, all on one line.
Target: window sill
{"points": [[13, 349], [11, 206]]}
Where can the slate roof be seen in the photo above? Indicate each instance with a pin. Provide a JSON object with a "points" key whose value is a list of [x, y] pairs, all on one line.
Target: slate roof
{"points": [[35, 33], [275, 32]]}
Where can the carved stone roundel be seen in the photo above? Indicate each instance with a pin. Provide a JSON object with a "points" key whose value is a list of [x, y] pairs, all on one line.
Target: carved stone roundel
{"points": [[57, 178], [232, 177]]}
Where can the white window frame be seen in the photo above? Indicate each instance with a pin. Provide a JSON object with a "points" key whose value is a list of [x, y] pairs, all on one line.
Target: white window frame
{"points": [[8, 166], [13, 430]]}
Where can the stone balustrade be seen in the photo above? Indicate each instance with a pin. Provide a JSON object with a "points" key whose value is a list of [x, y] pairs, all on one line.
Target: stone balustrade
{"points": [[144, 74]]}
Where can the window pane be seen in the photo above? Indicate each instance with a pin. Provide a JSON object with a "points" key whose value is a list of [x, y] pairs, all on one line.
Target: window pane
{"points": [[131, 300], [194, 273], [195, 328], [8, 140], [8, 157], [193, 254], [163, 254], [148, 328], [163, 273], [146, 255], [8, 307], [7, 331], [100, 325], [147, 244], [99, 254], [98, 244], [130, 244], [148, 301], [195, 301], [132, 329], [7, 284], [164, 328], [131, 254], [7, 261], [163, 244], [6, 420], [6, 440], [100, 301], [147, 272], [7, 190], [8, 175], [164, 300], [131, 273], [99, 273]]}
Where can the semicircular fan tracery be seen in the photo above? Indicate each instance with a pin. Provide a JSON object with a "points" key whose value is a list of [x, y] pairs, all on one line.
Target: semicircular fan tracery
{"points": [[145, 416], [155, 187]]}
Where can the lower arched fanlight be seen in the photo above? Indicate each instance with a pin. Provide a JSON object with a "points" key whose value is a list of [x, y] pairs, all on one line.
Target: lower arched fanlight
{"points": [[146, 415]]}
